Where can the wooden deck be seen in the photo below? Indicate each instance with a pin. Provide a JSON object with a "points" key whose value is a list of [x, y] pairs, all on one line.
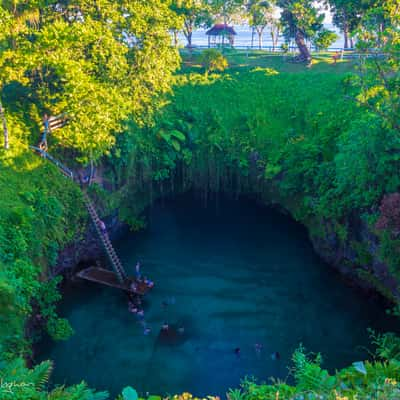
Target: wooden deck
{"points": [[109, 278]]}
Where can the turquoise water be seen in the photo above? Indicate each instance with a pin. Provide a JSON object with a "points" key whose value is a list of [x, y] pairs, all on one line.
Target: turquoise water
{"points": [[232, 276]]}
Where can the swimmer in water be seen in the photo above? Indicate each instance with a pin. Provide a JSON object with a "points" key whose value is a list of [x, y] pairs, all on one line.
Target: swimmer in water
{"points": [[237, 351], [275, 356], [165, 327], [146, 331], [181, 330], [258, 347], [137, 269]]}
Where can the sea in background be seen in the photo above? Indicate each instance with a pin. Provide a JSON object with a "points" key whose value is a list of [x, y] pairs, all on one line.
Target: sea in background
{"points": [[244, 34]]}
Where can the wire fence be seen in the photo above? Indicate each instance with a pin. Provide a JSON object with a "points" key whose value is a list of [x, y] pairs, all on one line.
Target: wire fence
{"points": [[269, 48]]}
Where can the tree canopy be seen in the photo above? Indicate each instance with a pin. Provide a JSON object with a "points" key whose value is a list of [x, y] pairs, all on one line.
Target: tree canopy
{"points": [[195, 14], [303, 20], [100, 63]]}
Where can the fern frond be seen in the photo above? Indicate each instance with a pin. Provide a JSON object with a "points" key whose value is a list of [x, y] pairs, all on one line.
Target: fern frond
{"points": [[40, 375], [82, 392]]}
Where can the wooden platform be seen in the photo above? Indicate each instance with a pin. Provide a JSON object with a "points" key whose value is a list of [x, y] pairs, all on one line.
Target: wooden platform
{"points": [[109, 278]]}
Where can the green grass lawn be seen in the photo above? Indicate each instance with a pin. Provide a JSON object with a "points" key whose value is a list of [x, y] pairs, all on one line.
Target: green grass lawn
{"points": [[241, 60]]}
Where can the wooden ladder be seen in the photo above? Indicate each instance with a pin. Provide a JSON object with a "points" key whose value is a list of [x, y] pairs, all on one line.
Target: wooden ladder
{"points": [[105, 240], [111, 253]]}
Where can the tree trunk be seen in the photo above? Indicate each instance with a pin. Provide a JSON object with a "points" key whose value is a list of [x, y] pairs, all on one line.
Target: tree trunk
{"points": [[188, 32], [346, 36], [300, 42], [5, 129], [225, 23], [259, 39], [252, 37], [351, 43], [277, 32], [273, 39]]}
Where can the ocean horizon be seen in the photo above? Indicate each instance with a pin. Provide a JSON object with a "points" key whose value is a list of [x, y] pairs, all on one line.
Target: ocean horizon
{"points": [[244, 34]]}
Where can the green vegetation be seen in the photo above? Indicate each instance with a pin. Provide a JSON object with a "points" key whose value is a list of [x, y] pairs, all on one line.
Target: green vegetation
{"points": [[322, 142], [241, 60], [302, 20], [36, 221], [213, 61]]}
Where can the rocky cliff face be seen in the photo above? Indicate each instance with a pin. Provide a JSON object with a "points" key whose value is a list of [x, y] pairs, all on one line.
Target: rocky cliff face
{"points": [[87, 250], [357, 257]]}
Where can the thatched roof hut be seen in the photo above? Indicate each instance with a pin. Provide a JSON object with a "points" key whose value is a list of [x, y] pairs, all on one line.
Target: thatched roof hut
{"points": [[220, 31]]}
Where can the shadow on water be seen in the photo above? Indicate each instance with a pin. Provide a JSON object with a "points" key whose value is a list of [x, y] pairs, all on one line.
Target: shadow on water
{"points": [[236, 276]]}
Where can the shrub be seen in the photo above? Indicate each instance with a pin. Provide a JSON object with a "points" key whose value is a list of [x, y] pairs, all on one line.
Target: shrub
{"points": [[213, 61], [325, 39]]}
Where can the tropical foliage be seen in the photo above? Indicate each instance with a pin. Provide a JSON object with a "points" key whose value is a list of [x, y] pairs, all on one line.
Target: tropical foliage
{"points": [[99, 64], [323, 145], [213, 61]]}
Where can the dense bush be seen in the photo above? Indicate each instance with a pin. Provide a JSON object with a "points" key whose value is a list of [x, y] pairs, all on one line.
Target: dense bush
{"points": [[213, 61], [39, 214]]}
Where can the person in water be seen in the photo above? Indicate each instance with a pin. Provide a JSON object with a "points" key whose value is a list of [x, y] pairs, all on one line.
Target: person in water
{"points": [[137, 269], [275, 356], [165, 327], [146, 331], [258, 348], [132, 308], [181, 330], [133, 287], [237, 351], [140, 313]]}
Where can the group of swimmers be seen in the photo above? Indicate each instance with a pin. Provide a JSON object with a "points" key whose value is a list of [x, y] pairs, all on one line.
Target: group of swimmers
{"points": [[134, 306], [141, 279], [135, 303]]}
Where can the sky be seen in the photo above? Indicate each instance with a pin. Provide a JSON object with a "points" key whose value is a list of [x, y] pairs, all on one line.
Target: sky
{"points": [[328, 15]]}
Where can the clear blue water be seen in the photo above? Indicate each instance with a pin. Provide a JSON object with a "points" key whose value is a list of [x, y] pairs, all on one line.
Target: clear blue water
{"points": [[234, 275]]}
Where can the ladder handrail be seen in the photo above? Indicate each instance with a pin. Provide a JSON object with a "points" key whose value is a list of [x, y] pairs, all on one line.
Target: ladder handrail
{"points": [[104, 238], [112, 255], [66, 171]]}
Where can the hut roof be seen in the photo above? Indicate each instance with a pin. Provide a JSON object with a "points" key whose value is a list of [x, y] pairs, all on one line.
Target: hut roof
{"points": [[221, 29]]}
